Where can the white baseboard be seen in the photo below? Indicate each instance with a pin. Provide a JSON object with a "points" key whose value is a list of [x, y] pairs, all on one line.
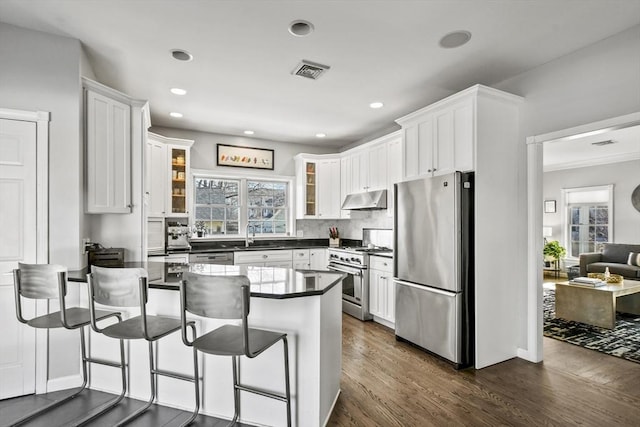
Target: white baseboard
{"points": [[64, 383], [526, 355], [333, 405], [384, 322]]}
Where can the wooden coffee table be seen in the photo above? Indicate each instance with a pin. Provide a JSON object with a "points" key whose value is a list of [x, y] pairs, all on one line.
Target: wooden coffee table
{"points": [[597, 306]]}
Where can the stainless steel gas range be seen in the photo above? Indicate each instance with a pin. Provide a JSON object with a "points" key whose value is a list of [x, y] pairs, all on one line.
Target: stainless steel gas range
{"points": [[354, 261]]}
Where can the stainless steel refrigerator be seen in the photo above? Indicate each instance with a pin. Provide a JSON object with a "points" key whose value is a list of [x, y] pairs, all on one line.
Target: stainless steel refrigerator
{"points": [[433, 265]]}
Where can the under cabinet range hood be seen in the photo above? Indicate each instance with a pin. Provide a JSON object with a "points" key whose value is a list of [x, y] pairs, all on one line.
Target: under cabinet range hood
{"points": [[366, 201]]}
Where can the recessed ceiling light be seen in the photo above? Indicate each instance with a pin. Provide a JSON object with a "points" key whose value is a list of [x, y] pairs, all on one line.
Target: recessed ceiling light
{"points": [[176, 115], [455, 39], [300, 28], [320, 135], [181, 55], [249, 132], [376, 105], [178, 91]]}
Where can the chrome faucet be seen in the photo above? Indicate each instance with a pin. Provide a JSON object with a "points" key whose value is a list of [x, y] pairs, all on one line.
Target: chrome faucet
{"points": [[248, 240]]}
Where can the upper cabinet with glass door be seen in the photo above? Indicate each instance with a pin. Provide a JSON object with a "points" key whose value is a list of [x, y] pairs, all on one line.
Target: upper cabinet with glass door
{"points": [[317, 186], [167, 176]]}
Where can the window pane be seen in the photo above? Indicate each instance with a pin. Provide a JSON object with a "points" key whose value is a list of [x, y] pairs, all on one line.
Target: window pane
{"points": [[254, 201], [602, 233], [575, 215], [280, 226], [232, 227], [203, 213], [254, 214], [267, 213], [232, 213], [602, 216], [217, 213], [575, 233], [279, 215], [592, 215]]}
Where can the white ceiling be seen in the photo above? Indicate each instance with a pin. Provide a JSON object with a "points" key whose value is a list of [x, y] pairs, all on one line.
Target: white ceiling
{"points": [[378, 51], [575, 152]]}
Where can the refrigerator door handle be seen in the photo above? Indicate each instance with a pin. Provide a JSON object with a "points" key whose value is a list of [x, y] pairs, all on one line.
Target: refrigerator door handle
{"points": [[424, 288]]}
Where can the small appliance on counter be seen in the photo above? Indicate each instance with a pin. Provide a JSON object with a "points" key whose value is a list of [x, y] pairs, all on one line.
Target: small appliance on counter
{"points": [[106, 257], [178, 236]]}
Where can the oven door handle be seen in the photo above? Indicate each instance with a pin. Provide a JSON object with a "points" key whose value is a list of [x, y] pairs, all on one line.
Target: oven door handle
{"points": [[347, 270]]}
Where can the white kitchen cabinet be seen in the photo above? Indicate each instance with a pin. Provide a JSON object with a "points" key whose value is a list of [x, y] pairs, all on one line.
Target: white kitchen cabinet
{"points": [[394, 169], [155, 235], [377, 170], [300, 259], [156, 178], [271, 258], [317, 187], [167, 185], [318, 259], [439, 139], [382, 290], [328, 189], [108, 152], [345, 183]]}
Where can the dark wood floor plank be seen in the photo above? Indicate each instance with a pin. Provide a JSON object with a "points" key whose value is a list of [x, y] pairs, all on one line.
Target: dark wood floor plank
{"points": [[390, 383]]}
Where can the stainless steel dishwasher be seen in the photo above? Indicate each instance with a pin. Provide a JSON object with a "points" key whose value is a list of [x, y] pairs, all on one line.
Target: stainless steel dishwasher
{"points": [[224, 258]]}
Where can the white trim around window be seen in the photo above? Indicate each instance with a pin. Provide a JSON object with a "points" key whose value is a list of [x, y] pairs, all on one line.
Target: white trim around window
{"points": [[602, 194], [243, 203]]}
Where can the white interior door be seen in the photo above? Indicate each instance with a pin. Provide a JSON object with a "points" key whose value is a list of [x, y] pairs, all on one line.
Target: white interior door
{"points": [[18, 242]]}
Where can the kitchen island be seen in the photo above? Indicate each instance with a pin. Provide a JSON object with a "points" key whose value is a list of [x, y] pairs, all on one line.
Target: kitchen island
{"points": [[303, 303]]}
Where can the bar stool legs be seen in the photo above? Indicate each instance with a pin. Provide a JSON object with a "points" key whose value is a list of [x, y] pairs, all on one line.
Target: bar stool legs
{"points": [[237, 387], [85, 374]]}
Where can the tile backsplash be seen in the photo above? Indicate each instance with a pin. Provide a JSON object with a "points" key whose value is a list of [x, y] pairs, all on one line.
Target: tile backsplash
{"points": [[348, 228]]}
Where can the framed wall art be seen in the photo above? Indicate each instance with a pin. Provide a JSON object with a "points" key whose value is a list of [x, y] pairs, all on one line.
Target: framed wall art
{"points": [[549, 206], [244, 157]]}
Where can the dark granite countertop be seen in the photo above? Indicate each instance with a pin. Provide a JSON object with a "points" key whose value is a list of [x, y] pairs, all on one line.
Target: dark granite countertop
{"points": [[213, 246], [266, 282]]}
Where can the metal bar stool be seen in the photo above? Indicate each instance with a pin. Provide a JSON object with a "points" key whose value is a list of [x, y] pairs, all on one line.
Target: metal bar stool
{"points": [[127, 287], [227, 297], [49, 281]]}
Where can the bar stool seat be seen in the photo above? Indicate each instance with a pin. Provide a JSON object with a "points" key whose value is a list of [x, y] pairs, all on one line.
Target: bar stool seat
{"points": [[77, 317], [132, 329], [228, 340]]}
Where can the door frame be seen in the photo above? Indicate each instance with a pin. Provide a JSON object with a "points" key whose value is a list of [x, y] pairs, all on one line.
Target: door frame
{"points": [[41, 119], [534, 350]]}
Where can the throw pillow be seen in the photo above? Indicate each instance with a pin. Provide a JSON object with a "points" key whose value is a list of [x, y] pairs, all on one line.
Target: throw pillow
{"points": [[634, 259]]}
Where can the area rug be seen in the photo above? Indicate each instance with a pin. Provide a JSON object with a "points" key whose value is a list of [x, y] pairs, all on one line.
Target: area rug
{"points": [[622, 341]]}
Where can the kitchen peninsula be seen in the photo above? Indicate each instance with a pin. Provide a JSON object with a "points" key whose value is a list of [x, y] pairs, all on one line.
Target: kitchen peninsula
{"points": [[305, 304]]}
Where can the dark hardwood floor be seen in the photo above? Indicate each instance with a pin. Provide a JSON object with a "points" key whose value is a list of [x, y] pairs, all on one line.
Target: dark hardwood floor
{"points": [[390, 383]]}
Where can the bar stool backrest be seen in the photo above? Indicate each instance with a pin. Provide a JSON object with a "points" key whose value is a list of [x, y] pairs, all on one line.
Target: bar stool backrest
{"points": [[219, 297], [39, 281], [118, 287]]}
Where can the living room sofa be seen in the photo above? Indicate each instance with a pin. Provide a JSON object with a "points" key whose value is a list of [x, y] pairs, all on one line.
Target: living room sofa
{"points": [[614, 256]]}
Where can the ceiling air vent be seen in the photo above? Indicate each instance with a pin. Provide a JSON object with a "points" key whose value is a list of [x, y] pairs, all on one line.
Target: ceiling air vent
{"points": [[310, 70], [604, 142]]}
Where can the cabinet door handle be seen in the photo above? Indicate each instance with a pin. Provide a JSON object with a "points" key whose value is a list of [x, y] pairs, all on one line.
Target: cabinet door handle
{"points": [[265, 256], [383, 277], [434, 169], [428, 170]]}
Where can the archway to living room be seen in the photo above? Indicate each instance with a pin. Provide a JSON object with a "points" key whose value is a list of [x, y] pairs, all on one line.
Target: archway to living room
{"points": [[565, 185]]}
